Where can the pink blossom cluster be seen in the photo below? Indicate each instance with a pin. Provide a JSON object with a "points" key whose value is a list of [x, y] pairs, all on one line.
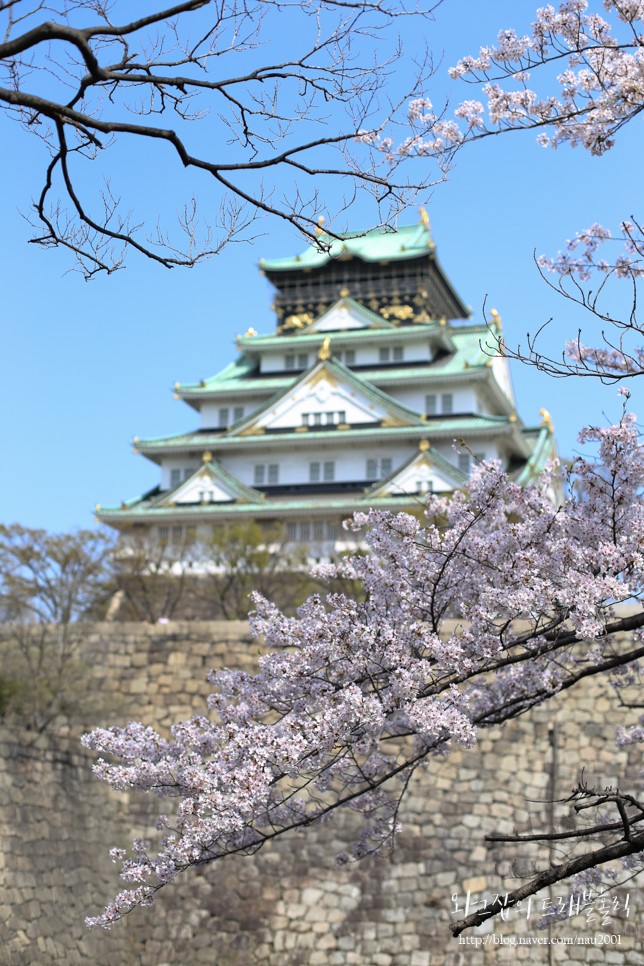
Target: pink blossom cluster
{"points": [[632, 735], [469, 617], [609, 362], [581, 255], [600, 89]]}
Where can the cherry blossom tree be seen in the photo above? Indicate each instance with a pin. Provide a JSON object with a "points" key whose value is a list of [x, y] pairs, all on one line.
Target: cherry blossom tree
{"points": [[351, 699], [500, 599], [592, 56]]}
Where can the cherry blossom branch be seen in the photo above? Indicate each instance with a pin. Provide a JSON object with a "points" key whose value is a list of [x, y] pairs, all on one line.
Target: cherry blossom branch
{"points": [[460, 625], [521, 87]]}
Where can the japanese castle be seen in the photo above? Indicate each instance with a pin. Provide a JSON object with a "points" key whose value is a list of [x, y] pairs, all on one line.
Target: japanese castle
{"points": [[374, 390]]}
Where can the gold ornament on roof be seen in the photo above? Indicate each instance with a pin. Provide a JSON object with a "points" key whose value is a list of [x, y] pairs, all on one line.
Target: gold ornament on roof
{"points": [[400, 312], [206, 457], [546, 420], [424, 217], [319, 230], [297, 321], [250, 332], [424, 445], [496, 318], [325, 350]]}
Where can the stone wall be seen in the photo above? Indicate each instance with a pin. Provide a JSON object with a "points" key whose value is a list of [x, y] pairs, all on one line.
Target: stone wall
{"points": [[289, 905]]}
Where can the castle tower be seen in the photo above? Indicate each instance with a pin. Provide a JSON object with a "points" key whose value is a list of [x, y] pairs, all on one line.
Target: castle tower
{"points": [[356, 399]]}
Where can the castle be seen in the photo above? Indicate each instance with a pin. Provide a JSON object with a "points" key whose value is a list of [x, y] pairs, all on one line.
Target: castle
{"points": [[374, 389]]}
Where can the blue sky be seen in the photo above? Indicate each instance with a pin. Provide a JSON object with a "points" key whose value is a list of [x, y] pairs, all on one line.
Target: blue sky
{"points": [[89, 365]]}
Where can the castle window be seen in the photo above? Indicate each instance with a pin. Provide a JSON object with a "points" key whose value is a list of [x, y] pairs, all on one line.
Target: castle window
{"points": [[302, 360], [348, 356], [332, 530], [376, 469], [176, 535], [322, 471], [305, 531], [387, 353], [446, 404], [289, 361], [263, 473], [238, 412], [223, 416], [175, 477], [164, 533], [331, 418], [187, 473], [465, 461]]}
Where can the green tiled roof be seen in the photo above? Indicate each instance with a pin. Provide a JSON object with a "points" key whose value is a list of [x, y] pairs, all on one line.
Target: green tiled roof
{"points": [[545, 449], [242, 375], [303, 338], [379, 244], [218, 473], [242, 367], [144, 510], [155, 505], [450, 427]]}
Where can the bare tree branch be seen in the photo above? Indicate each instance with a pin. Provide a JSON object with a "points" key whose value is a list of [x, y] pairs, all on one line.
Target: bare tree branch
{"points": [[81, 89]]}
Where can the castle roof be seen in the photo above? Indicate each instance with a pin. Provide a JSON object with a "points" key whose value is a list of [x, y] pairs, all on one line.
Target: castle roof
{"points": [[358, 399], [462, 349], [377, 245]]}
